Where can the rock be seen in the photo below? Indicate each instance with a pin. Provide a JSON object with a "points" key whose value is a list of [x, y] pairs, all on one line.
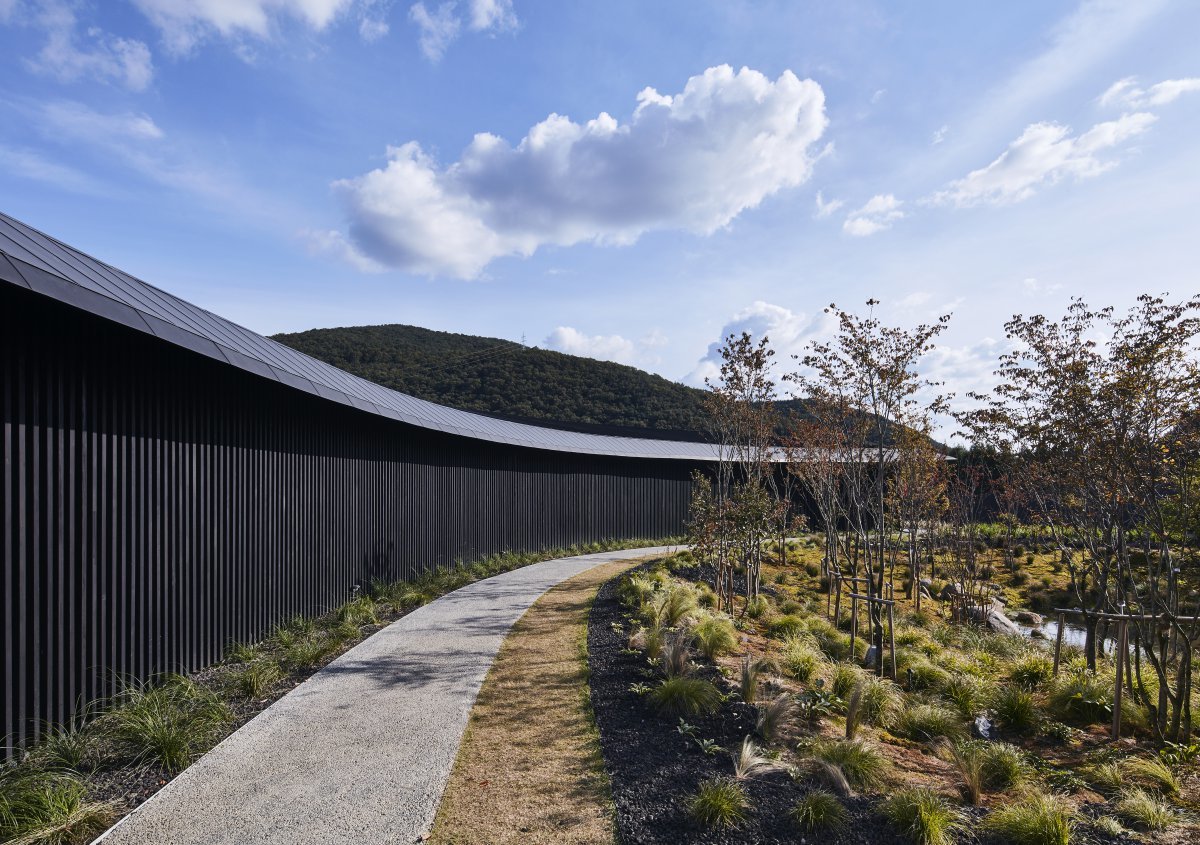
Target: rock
{"points": [[949, 591], [1037, 634], [981, 728], [927, 583], [1029, 617], [869, 657], [1000, 623]]}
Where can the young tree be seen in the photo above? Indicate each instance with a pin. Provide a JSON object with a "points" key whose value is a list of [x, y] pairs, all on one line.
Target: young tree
{"points": [[868, 373]]}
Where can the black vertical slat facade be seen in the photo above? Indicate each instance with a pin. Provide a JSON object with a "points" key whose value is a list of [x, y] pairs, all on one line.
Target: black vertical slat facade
{"points": [[158, 504]]}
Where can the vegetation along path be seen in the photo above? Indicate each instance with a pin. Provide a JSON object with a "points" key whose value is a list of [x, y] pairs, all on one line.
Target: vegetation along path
{"points": [[529, 770], [362, 750]]}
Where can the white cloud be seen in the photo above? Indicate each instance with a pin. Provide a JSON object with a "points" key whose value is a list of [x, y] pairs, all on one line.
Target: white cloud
{"points": [[438, 28], [787, 330], [693, 161], [1125, 93], [604, 347], [69, 55], [442, 25], [826, 208], [372, 29], [81, 121], [1045, 153], [1036, 287], [878, 95], [28, 164], [879, 213], [185, 23], [940, 134]]}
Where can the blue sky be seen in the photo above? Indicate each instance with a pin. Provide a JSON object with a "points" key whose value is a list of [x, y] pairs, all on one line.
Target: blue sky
{"points": [[627, 180]]}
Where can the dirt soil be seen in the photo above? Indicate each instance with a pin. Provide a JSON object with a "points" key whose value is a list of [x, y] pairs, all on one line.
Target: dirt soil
{"points": [[529, 769]]}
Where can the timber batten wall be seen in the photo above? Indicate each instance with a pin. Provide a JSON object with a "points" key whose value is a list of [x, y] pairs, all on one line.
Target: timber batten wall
{"points": [[159, 504]]}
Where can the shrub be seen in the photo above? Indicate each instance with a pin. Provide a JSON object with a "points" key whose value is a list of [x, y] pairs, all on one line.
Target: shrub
{"points": [[1032, 672], [684, 696], [1015, 709], [1082, 697], [49, 808], [861, 763], [1145, 810], [256, 678], [719, 803], [929, 721], [801, 658], [819, 810], [1036, 818], [715, 635], [922, 815], [786, 627]]}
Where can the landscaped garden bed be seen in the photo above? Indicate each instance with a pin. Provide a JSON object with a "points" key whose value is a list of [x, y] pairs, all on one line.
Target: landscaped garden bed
{"points": [[685, 697], [81, 777]]}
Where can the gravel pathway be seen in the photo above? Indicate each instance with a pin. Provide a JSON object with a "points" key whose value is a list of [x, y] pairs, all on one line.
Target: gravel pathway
{"points": [[362, 750]]}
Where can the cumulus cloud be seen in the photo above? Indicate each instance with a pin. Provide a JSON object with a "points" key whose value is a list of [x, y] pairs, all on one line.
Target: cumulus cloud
{"points": [[611, 347], [1044, 154], [443, 24], [185, 23], [1125, 93], [692, 161], [826, 207], [69, 55], [787, 330], [879, 213]]}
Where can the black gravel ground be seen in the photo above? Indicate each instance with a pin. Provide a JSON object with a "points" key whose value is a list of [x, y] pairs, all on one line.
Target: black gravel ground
{"points": [[655, 769]]}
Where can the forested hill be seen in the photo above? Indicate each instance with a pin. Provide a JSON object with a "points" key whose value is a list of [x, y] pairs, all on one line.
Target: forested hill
{"points": [[506, 379]]}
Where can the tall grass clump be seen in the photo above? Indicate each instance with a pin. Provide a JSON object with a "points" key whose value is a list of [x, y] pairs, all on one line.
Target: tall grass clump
{"points": [[923, 816], [1016, 709], [49, 809], [1151, 772], [683, 696], [753, 671], [749, 760], [801, 657], [1033, 818], [845, 678], [882, 701], [168, 723], [861, 763], [719, 803], [715, 635], [929, 721], [1144, 810], [785, 627], [774, 716], [1032, 672], [679, 601], [819, 810], [255, 679], [676, 659], [1082, 697]]}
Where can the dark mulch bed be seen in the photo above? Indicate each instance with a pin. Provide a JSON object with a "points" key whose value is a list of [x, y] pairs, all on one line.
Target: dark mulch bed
{"points": [[655, 769]]}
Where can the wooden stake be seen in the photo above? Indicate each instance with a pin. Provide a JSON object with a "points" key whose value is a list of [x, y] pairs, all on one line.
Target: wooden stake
{"points": [[892, 638], [1122, 648], [1058, 644]]}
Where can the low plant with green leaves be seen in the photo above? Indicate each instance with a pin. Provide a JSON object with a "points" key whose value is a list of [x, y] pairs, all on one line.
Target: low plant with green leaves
{"points": [[684, 696], [167, 722], [1033, 818], [359, 612], [819, 810], [924, 816], [719, 803]]}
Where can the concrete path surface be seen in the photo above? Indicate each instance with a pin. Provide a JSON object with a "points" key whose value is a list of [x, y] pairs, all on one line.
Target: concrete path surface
{"points": [[361, 751]]}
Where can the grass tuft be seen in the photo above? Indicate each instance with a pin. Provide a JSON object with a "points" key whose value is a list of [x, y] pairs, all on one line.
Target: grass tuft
{"points": [[774, 716], [749, 760], [49, 809], [753, 670], [929, 721], [256, 679], [1016, 710], [1145, 810], [1034, 818], [168, 723], [801, 657], [719, 803], [684, 696], [923, 816], [861, 763], [715, 635], [1152, 773], [819, 810]]}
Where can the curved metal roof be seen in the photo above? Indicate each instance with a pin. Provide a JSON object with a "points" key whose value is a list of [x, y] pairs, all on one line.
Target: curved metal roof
{"points": [[31, 259]]}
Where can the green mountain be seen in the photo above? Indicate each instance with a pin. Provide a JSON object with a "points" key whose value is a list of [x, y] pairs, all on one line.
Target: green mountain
{"points": [[506, 379]]}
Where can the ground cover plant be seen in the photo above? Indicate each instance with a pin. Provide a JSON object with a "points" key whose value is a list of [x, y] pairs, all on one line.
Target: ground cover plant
{"points": [[847, 756], [84, 775]]}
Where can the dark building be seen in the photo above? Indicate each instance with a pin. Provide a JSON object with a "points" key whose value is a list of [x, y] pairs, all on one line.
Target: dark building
{"points": [[173, 482]]}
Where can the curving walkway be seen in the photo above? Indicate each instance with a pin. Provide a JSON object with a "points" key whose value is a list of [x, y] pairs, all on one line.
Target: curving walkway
{"points": [[362, 750]]}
